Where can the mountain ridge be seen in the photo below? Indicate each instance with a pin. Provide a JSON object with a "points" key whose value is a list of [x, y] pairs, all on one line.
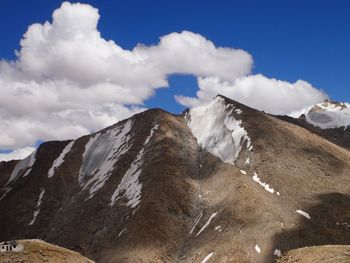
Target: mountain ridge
{"points": [[169, 196]]}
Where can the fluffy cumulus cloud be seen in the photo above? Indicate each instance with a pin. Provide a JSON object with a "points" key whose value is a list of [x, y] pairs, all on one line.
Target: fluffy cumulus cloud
{"points": [[259, 92], [67, 80]]}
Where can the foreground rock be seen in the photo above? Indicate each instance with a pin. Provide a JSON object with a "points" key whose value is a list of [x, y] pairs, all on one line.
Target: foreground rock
{"points": [[319, 254], [36, 251]]}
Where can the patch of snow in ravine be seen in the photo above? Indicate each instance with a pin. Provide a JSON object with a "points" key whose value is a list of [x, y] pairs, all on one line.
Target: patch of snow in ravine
{"points": [[247, 161], [37, 208], [265, 185], [217, 131], [23, 167], [121, 232], [207, 257], [277, 252], [303, 214], [59, 161], [196, 221], [130, 187], [101, 153], [7, 189], [207, 223], [243, 172], [257, 249]]}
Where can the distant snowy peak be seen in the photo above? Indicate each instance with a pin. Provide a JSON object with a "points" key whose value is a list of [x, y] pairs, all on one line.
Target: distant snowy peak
{"points": [[218, 130], [328, 115]]}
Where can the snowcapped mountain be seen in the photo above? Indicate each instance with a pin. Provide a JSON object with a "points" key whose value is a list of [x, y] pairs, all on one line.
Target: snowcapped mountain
{"points": [[327, 115], [220, 183]]}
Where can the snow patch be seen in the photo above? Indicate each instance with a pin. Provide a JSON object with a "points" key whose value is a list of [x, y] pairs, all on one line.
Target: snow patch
{"points": [[153, 130], [121, 232], [277, 252], [265, 185], [59, 161], [238, 111], [196, 221], [7, 189], [218, 228], [303, 214], [101, 153], [243, 172], [217, 131], [130, 187], [37, 208], [207, 257], [257, 249], [207, 223], [247, 161]]}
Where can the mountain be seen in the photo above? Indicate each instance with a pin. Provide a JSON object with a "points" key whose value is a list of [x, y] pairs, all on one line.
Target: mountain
{"points": [[220, 183], [329, 119], [329, 115]]}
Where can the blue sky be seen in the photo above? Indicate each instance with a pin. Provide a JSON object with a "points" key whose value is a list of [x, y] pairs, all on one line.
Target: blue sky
{"points": [[288, 40]]}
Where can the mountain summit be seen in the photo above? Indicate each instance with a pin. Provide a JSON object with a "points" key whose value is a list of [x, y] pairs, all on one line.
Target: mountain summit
{"points": [[220, 183]]}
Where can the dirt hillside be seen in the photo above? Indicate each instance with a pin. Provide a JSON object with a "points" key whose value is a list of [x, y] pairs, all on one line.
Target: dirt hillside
{"points": [[318, 254], [36, 251]]}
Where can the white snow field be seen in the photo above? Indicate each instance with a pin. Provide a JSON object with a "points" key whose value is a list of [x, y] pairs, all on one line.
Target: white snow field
{"points": [[130, 186], [101, 153], [37, 208], [217, 130], [60, 159]]}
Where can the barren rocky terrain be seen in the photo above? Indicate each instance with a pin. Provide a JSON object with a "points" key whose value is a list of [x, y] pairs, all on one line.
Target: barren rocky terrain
{"points": [[158, 188]]}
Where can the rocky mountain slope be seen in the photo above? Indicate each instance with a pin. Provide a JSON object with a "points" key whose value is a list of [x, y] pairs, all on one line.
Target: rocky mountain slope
{"points": [[220, 183], [34, 251]]}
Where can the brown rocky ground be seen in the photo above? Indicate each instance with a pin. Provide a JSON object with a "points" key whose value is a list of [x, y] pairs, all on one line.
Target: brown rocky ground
{"points": [[318, 254], [37, 251]]}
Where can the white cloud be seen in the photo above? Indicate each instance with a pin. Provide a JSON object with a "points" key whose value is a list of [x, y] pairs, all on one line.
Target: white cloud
{"points": [[259, 92], [17, 154], [68, 80]]}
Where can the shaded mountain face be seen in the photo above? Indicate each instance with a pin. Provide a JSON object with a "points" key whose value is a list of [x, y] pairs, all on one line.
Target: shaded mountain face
{"points": [[220, 183]]}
